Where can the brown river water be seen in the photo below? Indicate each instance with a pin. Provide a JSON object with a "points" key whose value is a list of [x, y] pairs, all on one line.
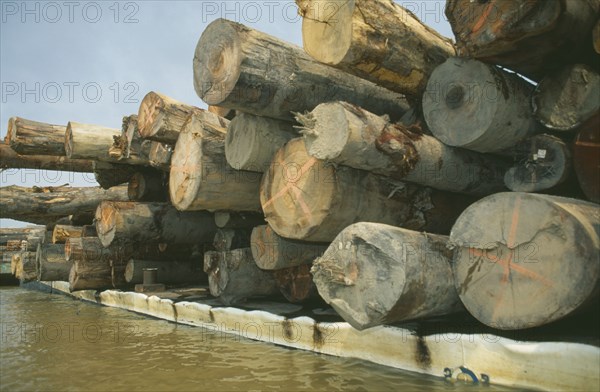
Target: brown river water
{"points": [[51, 342]]}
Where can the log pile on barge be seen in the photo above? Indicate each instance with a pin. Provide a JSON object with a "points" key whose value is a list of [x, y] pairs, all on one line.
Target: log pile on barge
{"points": [[374, 167]]}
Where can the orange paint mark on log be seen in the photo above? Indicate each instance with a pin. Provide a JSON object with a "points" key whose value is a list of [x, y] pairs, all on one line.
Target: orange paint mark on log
{"points": [[483, 18], [291, 185], [302, 203]]}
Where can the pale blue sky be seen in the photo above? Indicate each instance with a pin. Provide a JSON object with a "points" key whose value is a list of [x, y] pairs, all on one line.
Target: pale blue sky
{"points": [[93, 61]]}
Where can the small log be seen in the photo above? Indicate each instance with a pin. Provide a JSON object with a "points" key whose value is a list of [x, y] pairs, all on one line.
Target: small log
{"points": [[62, 232], [238, 220], [273, 252], [9, 159], [201, 178], [46, 205], [228, 114], [110, 175], [169, 272], [27, 267], [28, 137], [148, 185], [162, 118], [296, 283], [541, 163], [252, 141], [237, 67], [566, 99], [347, 135], [305, 198], [375, 274], [376, 40], [233, 276], [535, 262], [86, 141], [118, 222], [52, 265], [532, 38], [159, 156], [229, 239], [496, 103], [586, 152]]}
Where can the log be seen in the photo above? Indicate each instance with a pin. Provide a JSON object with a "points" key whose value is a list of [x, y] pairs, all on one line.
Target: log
{"points": [[15, 259], [535, 262], [91, 268], [230, 239], [496, 103], [233, 276], [296, 284], [238, 220], [228, 114], [28, 137], [378, 41], [201, 178], [596, 37], [148, 185], [541, 163], [9, 159], [20, 233], [45, 205], [110, 175], [52, 265], [162, 118], [129, 148], [305, 198], [159, 156], [12, 245], [273, 252], [169, 272], [27, 267], [347, 135], [586, 152], [252, 141], [89, 231], [566, 99], [376, 274], [240, 68], [533, 38], [118, 222], [62, 232], [86, 141]]}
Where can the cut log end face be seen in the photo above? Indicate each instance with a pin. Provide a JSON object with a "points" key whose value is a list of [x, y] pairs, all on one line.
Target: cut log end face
{"points": [[106, 222], [147, 117], [316, 128], [185, 175], [533, 264], [217, 71], [295, 283], [69, 141]]}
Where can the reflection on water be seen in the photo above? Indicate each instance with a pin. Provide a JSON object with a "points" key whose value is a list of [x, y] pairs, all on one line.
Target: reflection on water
{"points": [[55, 343]]}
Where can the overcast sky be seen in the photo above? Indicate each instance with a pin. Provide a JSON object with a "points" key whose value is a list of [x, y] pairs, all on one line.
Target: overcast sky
{"points": [[93, 61]]}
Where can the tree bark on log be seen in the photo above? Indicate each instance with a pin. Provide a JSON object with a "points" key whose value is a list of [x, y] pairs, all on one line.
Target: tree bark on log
{"points": [[273, 252], [564, 100], [536, 261], [233, 276], [532, 38], [201, 178], [238, 220], [596, 37], [228, 114], [27, 267], [89, 231], [252, 141], [162, 118], [296, 283], [160, 155], [117, 222], [110, 175], [240, 68], [62, 232], [20, 233], [12, 245], [496, 103], [304, 198], [230, 239], [169, 272], [130, 148], [45, 205], [586, 151], [148, 185], [28, 137], [541, 163], [347, 135], [9, 159], [86, 141], [375, 274], [378, 41], [52, 265]]}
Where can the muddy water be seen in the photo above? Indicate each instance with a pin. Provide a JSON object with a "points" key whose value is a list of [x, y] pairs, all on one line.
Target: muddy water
{"points": [[51, 342]]}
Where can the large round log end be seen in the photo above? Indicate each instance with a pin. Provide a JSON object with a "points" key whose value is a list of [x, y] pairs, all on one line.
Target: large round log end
{"points": [[185, 176], [106, 222]]}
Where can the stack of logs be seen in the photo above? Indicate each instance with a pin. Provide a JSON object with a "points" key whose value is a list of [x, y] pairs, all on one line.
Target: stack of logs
{"points": [[372, 169]]}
